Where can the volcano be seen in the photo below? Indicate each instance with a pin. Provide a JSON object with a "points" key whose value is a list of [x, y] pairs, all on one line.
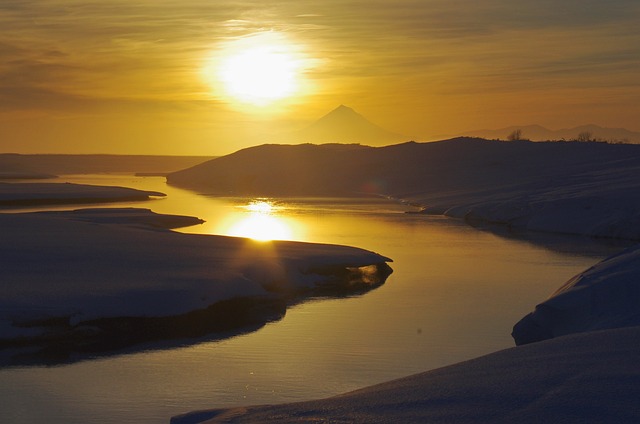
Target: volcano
{"points": [[345, 125]]}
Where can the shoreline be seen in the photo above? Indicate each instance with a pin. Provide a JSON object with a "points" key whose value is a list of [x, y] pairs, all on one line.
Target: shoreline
{"points": [[575, 361], [100, 280]]}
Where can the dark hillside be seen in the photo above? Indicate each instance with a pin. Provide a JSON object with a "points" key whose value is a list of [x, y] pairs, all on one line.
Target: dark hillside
{"points": [[463, 164]]}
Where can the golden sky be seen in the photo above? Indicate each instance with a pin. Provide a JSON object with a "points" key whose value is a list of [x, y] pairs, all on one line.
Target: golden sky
{"points": [[167, 76]]}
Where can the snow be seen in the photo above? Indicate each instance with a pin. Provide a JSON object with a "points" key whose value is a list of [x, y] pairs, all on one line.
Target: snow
{"points": [[83, 266], [586, 372], [50, 165], [605, 209], [583, 378], [605, 296], [129, 216], [24, 175], [65, 269], [15, 194]]}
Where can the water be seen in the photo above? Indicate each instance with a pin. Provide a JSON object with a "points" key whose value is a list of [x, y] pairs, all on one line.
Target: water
{"points": [[455, 293]]}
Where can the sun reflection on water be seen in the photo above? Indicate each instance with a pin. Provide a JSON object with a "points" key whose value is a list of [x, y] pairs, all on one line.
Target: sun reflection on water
{"points": [[262, 220]]}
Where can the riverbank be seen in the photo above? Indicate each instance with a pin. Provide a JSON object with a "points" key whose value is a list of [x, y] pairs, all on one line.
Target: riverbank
{"points": [[590, 189], [584, 372], [40, 194], [583, 378], [103, 279]]}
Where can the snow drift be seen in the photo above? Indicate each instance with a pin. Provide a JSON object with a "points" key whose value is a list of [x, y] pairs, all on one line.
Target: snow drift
{"points": [[586, 373], [117, 275], [50, 165], [22, 194], [581, 375], [606, 295], [583, 378]]}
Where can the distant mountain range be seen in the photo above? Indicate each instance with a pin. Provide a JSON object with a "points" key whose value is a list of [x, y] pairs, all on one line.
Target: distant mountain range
{"points": [[344, 125], [539, 133]]}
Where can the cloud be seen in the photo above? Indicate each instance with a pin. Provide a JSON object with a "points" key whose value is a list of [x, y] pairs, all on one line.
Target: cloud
{"points": [[99, 55], [104, 40]]}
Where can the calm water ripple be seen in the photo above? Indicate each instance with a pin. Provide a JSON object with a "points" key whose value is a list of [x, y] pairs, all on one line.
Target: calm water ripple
{"points": [[454, 295]]}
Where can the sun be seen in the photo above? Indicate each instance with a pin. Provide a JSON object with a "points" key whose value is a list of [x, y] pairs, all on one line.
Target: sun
{"points": [[260, 206], [257, 70], [259, 75]]}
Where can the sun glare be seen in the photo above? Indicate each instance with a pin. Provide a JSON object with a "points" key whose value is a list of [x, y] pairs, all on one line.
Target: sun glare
{"points": [[260, 222], [261, 227], [257, 70], [260, 206]]}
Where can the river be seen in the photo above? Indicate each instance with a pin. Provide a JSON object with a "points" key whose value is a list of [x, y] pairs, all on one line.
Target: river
{"points": [[455, 293]]}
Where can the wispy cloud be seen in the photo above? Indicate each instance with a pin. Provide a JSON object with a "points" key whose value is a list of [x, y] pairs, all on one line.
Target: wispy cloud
{"points": [[106, 43], [59, 55]]}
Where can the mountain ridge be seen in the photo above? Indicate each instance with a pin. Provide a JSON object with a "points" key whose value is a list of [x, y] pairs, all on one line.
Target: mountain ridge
{"points": [[581, 188], [537, 132], [311, 169]]}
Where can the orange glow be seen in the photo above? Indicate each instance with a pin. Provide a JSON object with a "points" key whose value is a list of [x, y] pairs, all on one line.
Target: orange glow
{"points": [[260, 206], [261, 222], [247, 73], [261, 227], [257, 70]]}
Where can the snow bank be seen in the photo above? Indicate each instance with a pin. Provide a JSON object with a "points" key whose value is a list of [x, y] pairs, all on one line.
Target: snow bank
{"points": [[24, 175], [606, 208], [59, 164], [12, 194], [583, 378], [586, 373], [605, 296], [66, 274], [129, 216]]}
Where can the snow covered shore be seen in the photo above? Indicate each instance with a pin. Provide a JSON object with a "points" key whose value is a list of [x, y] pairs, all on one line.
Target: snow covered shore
{"points": [[50, 165], [586, 372], [583, 378], [24, 175], [23, 194], [590, 376], [117, 275], [582, 374], [605, 296]]}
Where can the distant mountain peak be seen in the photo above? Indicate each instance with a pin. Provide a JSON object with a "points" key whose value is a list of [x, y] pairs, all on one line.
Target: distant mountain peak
{"points": [[345, 110], [344, 125], [539, 133], [343, 113]]}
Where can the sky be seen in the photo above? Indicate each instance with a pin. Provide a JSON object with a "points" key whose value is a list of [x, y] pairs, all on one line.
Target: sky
{"points": [[210, 77]]}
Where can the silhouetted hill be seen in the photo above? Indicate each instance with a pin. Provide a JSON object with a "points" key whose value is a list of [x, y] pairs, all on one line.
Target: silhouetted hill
{"points": [[344, 125], [563, 187], [274, 169], [540, 133], [458, 164]]}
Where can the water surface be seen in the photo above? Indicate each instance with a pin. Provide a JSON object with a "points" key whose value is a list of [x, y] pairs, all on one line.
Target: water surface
{"points": [[455, 294]]}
